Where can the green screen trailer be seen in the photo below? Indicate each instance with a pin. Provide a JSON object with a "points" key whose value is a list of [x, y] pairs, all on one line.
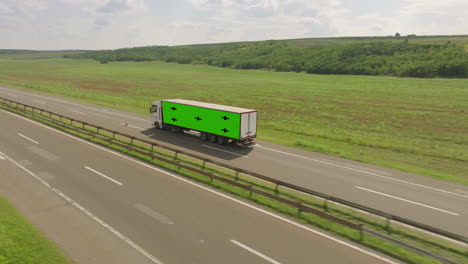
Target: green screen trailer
{"points": [[217, 123]]}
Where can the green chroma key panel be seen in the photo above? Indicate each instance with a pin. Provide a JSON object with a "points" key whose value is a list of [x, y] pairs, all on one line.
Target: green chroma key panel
{"points": [[202, 119]]}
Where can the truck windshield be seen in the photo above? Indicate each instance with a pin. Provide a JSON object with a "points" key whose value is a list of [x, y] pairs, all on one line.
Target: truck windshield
{"points": [[153, 109]]}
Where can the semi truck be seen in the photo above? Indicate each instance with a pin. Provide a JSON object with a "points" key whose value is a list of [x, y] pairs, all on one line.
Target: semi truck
{"points": [[215, 123]]}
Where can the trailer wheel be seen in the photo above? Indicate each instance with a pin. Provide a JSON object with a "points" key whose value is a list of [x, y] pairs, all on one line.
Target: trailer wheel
{"points": [[212, 138], [221, 140], [173, 129], [204, 136]]}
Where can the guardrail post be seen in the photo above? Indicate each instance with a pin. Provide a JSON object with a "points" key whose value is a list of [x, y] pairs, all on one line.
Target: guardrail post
{"points": [[276, 188], [152, 149], [325, 205], [113, 135], [236, 177], [178, 165], [203, 166], [361, 233], [299, 210], [175, 155], [387, 225]]}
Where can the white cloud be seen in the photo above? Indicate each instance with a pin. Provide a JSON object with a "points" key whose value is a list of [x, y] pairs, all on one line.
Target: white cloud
{"points": [[113, 6], [5, 10]]}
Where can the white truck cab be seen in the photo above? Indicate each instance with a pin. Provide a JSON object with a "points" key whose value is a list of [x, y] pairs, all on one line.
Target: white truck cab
{"points": [[156, 114]]}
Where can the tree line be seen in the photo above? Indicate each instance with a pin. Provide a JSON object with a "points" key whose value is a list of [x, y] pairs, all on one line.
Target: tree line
{"points": [[373, 58]]}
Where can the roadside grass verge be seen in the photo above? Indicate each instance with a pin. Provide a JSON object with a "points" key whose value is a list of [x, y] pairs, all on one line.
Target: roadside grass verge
{"points": [[453, 251], [409, 124], [21, 242]]}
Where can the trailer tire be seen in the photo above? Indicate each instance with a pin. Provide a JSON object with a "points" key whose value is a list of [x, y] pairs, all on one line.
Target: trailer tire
{"points": [[204, 136], [173, 129], [212, 138], [221, 140]]}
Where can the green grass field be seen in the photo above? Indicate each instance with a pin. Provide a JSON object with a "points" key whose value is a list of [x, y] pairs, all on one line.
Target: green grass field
{"points": [[20, 242], [416, 125]]}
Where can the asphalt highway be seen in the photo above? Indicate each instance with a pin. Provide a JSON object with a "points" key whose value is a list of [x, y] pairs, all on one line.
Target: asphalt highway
{"points": [[170, 218], [423, 199]]}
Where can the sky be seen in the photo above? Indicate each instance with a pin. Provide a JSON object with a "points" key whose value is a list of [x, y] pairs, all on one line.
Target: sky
{"points": [[111, 24]]}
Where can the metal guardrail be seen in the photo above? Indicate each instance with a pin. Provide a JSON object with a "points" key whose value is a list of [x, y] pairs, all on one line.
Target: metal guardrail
{"points": [[301, 207]]}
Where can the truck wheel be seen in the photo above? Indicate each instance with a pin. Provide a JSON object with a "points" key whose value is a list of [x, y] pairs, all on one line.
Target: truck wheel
{"points": [[221, 140], [212, 138], [156, 125], [173, 129], [204, 136]]}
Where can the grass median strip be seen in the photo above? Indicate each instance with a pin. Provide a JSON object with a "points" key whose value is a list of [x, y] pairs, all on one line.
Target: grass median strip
{"points": [[438, 246], [21, 242]]}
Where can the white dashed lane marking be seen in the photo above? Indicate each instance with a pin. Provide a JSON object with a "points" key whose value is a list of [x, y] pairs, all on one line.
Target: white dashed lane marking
{"points": [[104, 176], [253, 251], [25, 137]]}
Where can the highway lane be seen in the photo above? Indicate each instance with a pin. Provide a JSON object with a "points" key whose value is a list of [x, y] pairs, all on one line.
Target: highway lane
{"points": [[175, 220], [436, 203], [80, 237]]}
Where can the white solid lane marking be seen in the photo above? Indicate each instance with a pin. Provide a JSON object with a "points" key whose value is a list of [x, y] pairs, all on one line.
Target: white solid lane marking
{"points": [[366, 172], [133, 126], [2, 158], [71, 110], [102, 175], [39, 102], [84, 210], [25, 137], [153, 214], [180, 178], [255, 252], [226, 151], [408, 201], [13, 95]]}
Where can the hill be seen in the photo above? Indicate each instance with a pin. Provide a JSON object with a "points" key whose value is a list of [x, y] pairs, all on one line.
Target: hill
{"points": [[34, 54], [427, 56]]}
